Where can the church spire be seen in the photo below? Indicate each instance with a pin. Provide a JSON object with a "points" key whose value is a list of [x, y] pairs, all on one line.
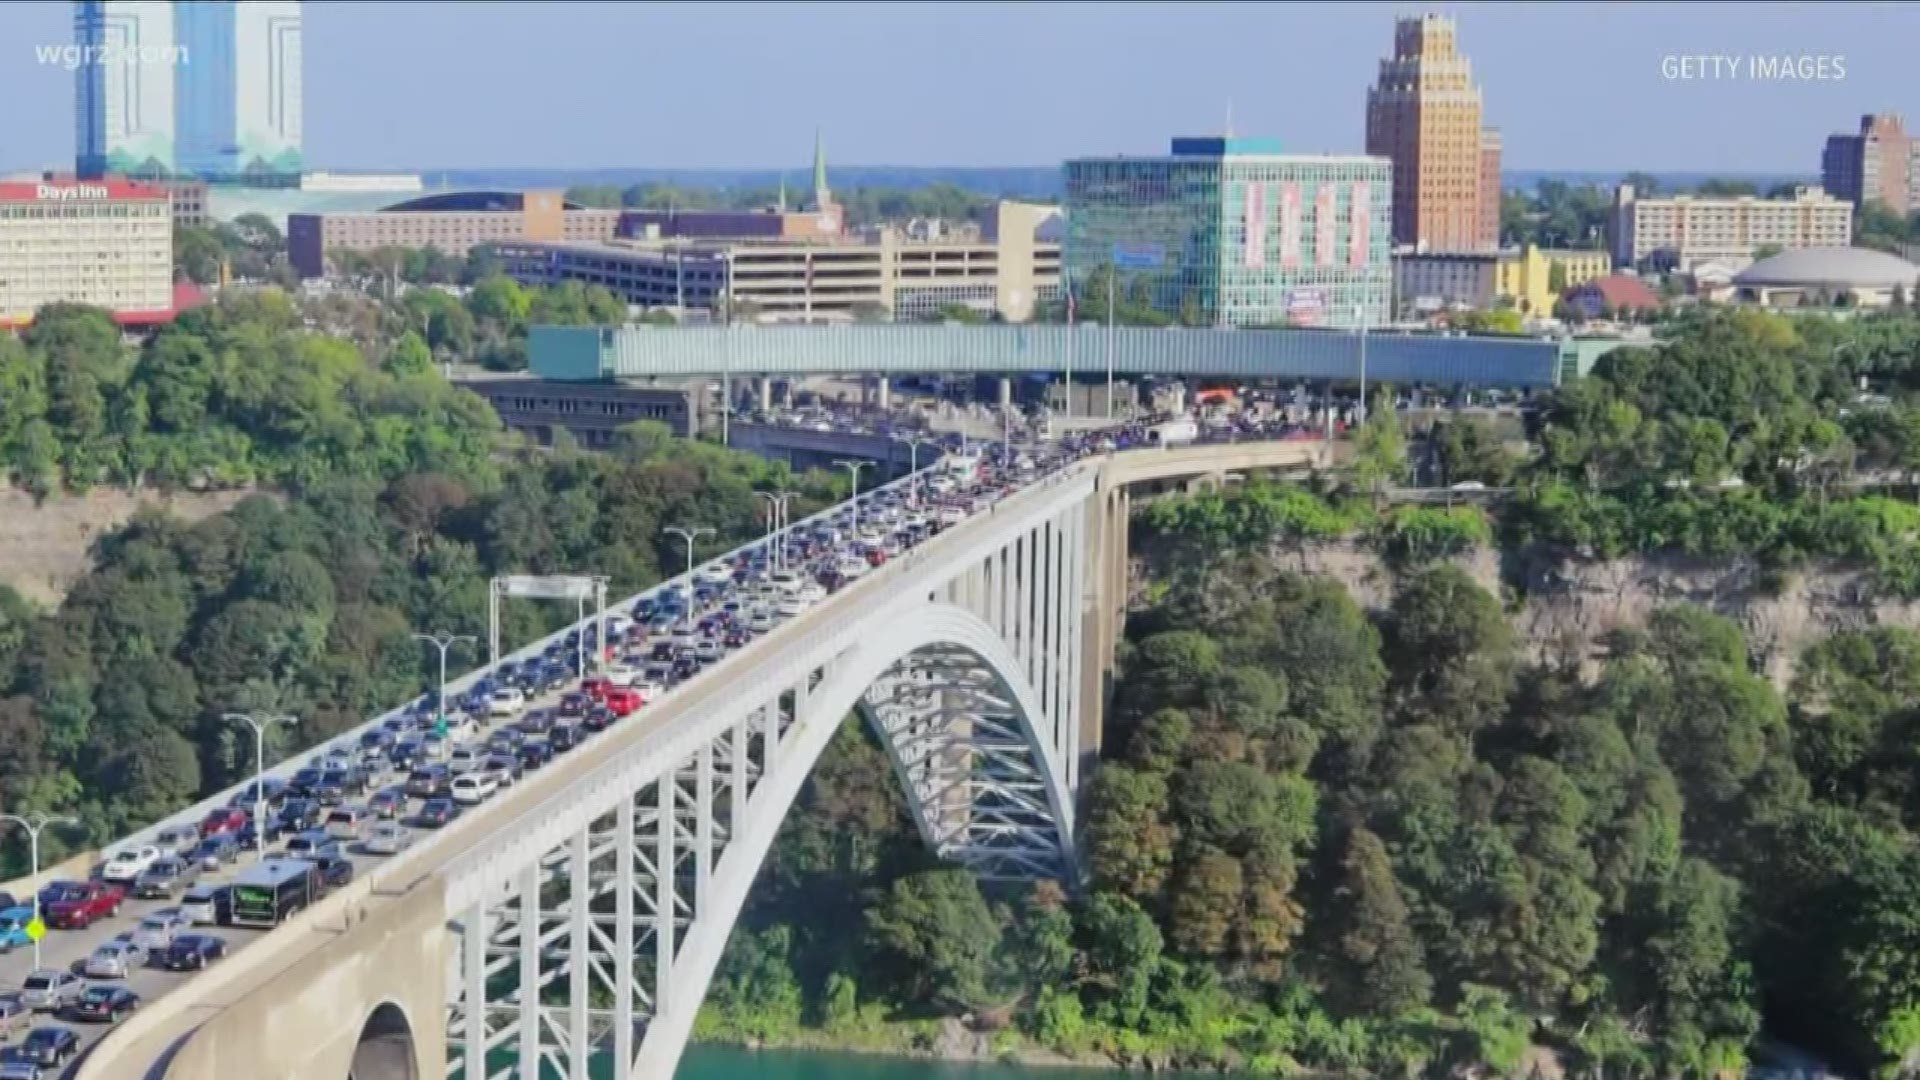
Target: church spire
{"points": [[822, 198]]}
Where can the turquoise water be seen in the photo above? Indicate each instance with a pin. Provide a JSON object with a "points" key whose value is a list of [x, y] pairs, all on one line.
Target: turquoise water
{"points": [[720, 1063]]}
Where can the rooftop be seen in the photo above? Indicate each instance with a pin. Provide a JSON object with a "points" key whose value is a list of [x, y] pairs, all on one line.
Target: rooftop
{"points": [[1849, 267]]}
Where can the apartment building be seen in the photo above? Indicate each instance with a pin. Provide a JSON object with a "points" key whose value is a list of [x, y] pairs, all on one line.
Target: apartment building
{"points": [[1682, 231], [1878, 164], [108, 243]]}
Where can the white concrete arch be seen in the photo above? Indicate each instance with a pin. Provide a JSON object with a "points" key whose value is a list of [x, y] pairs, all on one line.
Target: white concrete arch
{"points": [[846, 683]]}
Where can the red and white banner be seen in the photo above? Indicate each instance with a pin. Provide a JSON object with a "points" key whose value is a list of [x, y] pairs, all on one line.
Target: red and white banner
{"points": [[1359, 224], [1254, 252], [1290, 225], [1323, 226]]}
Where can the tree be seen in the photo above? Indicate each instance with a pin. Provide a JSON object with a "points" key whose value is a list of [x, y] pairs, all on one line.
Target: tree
{"points": [[410, 357], [198, 254], [1380, 954], [1129, 847], [1379, 448], [935, 931]]}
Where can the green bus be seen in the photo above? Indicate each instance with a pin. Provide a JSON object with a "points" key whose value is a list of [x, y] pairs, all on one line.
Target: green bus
{"points": [[268, 893]]}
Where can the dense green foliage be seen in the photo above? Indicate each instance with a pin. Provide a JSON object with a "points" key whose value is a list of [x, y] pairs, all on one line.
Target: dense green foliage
{"points": [[232, 394], [1394, 844]]}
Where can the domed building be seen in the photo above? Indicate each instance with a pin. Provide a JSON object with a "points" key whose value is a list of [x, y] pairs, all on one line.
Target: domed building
{"points": [[1828, 277]]}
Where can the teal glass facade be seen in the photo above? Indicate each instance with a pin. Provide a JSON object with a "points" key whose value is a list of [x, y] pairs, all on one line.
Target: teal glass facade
{"points": [[1229, 232]]}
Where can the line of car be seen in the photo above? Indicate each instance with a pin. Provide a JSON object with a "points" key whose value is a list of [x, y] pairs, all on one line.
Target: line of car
{"points": [[485, 741]]}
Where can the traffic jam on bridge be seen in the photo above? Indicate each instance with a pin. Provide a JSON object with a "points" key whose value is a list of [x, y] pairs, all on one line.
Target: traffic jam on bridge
{"points": [[82, 955]]}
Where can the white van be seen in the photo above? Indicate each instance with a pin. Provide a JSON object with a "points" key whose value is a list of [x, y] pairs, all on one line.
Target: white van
{"points": [[787, 581], [465, 759], [506, 701]]}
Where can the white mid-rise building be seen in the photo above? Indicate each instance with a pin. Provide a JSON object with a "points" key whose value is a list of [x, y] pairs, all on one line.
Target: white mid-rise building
{"points": [[1682, 231], [108, 243]]}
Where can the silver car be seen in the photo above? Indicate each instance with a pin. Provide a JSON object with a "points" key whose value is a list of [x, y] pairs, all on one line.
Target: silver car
{"points": [[115, 960], [50, 989], [158, 929], [388, 838]]}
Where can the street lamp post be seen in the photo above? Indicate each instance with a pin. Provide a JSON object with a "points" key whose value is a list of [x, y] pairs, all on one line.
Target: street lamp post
{"points": [[1360, 317], [776, 523], [260, 725], [444, 641], [689, 535], [913, 465], [853, 469], [33, 821]]}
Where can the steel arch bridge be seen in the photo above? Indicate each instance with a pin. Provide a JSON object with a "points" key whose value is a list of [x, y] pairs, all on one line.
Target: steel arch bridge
{"points": [[579, 919]]}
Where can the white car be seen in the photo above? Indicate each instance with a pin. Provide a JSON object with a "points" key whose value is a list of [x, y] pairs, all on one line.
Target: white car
{"points": [[465, 759], [506, 701], [812, 593], [618, 625], [472, 789], [851, 569], [792, 606], [621, 674], [649, 691], [388, 838], [130, 863], [716, 574], [761, 620]]}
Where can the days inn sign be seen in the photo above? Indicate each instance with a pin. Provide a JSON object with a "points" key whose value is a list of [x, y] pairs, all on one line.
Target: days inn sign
{"points": [[69, 192]]}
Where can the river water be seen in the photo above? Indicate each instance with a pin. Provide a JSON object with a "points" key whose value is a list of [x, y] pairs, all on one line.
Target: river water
{"points": [[722, 1063]]}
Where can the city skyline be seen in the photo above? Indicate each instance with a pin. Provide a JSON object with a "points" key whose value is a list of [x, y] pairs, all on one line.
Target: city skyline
{"points": [[1590, 110]]}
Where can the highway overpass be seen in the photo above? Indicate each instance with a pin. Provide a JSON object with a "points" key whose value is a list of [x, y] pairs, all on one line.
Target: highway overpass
{"points": [[579, 917]]}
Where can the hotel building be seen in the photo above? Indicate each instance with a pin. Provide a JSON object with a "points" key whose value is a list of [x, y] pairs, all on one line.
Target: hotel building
{"points": [[198, 89], [107, 243], [1681, 232], [1879, 164], [452, 222]]}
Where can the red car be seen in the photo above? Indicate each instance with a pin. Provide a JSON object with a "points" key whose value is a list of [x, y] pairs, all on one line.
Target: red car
{"points": [[225, 820], [83, 903], [597, 688], [621, 702]]}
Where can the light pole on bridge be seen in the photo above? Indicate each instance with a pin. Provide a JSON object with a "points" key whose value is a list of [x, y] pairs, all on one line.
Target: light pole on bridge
{"points": [[913, 466], [776, 523], [33, 821], [853, 469], [690, 536], [444, 641], [260, 725]]}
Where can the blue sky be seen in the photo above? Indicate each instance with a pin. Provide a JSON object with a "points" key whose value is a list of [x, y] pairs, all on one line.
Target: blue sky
{"points": [[576, 85]]}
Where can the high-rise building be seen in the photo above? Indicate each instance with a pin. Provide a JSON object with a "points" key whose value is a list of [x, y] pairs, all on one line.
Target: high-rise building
{"points": [[1424, 115], [1875, 165], [123, 116], [1229, 231], [210, 88]]}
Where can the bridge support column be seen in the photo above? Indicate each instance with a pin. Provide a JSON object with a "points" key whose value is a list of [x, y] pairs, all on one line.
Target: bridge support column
{"points": [[766, 393], [883, 393], [1006, 393]]}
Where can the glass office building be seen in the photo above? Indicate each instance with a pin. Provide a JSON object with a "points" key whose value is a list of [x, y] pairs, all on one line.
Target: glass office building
{"points": [[209, 89], [1231, 232]]}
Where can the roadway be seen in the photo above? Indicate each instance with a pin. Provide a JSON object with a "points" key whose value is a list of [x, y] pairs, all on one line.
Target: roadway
{"points": [[827, 548]]}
